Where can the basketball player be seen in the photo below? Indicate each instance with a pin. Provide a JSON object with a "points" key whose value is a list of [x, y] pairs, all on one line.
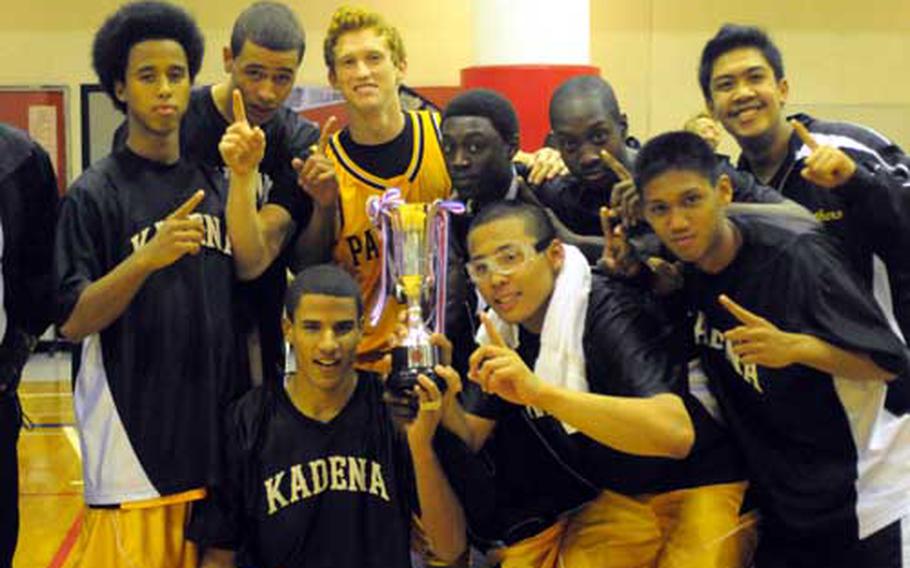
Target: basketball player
{"points": [[380, 148], [807, 373], [854, 180], [317, 473], [144, 276], [266, 48], [605, 406]]}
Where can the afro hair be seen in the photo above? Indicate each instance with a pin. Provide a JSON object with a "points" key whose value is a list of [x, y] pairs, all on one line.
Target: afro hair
{"points": [[137, 22]]}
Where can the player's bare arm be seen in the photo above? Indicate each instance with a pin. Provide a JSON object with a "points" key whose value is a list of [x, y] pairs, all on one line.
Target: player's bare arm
{"points": [[257, 236], [473, 430], [104, 300], [760, 342], [658, 426], [316, 176], [441, 514]]}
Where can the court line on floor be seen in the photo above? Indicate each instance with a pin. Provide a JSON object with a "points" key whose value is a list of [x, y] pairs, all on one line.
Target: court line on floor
{"points": [[69, 541]]}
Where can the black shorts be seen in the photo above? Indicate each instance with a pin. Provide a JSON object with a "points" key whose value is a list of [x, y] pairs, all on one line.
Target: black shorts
{"points": [[887, 548]]}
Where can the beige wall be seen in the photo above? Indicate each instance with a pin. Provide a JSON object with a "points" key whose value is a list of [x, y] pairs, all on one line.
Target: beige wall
{"points": [[844, 59], [841, 61]]}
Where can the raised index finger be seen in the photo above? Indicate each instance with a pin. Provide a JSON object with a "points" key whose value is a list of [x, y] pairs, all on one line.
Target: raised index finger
{"points": [[326, 133], [238, 107], [187, 206], [740, 313], [492, 332], [804, 134], [620, 170]]}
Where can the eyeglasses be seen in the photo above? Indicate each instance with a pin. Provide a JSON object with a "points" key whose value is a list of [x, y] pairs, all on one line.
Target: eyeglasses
{"points": [[505, 260]]}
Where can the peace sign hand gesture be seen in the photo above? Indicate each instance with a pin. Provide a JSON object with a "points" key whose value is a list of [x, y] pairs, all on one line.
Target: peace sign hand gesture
{"points": [[624, 197], [617, 254]]}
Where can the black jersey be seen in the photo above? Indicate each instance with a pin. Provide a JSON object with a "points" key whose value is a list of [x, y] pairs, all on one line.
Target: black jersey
{"points": [[827, 455], [28, 208], [303, 493], [578, 205], [153, 383], [869, 215], [633, 350], [287, 136]]}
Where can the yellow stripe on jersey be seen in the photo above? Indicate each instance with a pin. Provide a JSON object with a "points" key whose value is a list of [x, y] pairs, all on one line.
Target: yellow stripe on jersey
{"points": [[358, 246], [184, 497]]}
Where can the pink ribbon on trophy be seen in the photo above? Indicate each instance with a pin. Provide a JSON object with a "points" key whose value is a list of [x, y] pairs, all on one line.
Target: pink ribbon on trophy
{"points": [[378, 208], [444, 208]]}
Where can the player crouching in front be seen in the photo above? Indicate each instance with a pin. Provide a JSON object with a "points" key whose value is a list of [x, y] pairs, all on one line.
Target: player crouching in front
{"points": [[317, 474]]}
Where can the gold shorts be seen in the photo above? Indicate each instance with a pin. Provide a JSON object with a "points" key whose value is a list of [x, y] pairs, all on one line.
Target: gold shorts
{"points": [[687, 528]]}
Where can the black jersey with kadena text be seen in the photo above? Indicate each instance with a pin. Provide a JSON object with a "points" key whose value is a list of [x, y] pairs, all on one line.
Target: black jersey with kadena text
{"points": [[287, 136], [827, 455], [154, 382], [307, 494]]}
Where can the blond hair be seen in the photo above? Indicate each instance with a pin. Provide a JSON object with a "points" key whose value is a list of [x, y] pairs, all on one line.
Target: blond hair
{"points": [[349, 19]]}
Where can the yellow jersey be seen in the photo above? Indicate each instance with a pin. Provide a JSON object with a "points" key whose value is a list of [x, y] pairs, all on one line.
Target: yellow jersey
{"points": [[358, 246]]}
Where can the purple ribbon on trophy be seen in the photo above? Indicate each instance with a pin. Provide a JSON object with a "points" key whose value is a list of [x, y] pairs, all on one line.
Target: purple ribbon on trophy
{"points": [[444, 209], [378, 210], [428, 224]]}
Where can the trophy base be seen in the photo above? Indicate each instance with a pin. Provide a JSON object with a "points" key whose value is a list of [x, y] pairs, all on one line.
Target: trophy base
{"points": [[403, 378]]}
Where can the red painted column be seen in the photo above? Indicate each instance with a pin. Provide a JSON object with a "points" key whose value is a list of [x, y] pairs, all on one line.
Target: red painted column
{"points": [[524, 50]]}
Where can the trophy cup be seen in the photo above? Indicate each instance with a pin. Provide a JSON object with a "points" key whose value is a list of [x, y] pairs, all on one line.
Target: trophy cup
{"points": [[414, 256]]}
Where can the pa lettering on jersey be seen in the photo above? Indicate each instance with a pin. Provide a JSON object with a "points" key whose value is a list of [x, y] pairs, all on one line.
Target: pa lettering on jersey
{"points": [[334, 473], [215, 234], [714, 339], [363, 248]]}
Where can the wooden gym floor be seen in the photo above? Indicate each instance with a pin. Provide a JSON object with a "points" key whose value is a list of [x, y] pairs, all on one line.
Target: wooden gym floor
{"points": [[50, 476]]}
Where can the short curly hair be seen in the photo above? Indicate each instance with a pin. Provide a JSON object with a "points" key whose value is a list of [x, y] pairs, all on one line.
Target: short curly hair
{"points": [[350, 19], [137, 22], [487, 104]]}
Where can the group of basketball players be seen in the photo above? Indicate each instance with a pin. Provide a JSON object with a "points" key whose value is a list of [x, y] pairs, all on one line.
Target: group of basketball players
{"points": [[654, 357]]}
